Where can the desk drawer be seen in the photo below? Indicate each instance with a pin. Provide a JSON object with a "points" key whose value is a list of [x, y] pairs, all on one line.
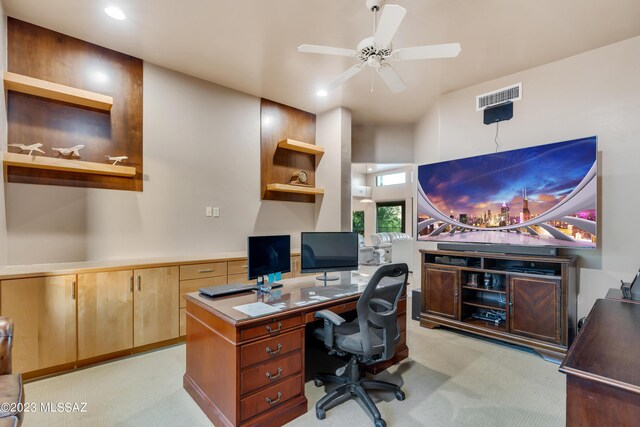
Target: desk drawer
{"points": [[272, 372], [270, 398], [238, 267], [270, 329], [197, 271], [193, 285], [338, 309], [239, 278], [271, 348]]}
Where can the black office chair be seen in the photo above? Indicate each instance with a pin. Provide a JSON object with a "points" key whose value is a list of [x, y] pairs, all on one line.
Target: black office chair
{"points": [[369, 339]]}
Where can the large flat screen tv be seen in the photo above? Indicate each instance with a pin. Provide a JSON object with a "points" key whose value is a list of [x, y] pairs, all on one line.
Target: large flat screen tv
{"points": [[541, 196]]}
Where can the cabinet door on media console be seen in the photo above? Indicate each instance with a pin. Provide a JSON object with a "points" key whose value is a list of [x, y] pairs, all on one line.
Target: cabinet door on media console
{"points": [[441, 293], [535, 308], [43, 310], [105, 312]]}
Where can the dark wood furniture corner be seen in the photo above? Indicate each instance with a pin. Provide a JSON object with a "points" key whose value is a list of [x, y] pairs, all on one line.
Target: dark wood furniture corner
{"points": [[65, 92], [287, 141], [539, 309], [602, 368]]}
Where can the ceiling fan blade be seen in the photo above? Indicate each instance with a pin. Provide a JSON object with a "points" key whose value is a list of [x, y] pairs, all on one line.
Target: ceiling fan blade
{"points": [[326, 50], [392, 16], [391, 78], [448, 50], [345, 76]]}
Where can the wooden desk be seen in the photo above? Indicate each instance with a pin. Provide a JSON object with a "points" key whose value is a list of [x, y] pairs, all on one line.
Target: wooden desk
{"points": [[603, 372], [250, 371]]}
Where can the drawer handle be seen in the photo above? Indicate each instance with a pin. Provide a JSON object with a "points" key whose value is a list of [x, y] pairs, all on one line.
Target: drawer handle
{"points": [[274, 331], [272, 352], [273, 377], [273, 402], [209, 270]]}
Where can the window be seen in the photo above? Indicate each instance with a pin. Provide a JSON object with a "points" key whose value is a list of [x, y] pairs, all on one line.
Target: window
{"points": [[358, 222], [390, 217], [391, 179]]}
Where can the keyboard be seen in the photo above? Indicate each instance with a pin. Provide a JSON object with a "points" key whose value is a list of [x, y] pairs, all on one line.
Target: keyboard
{"points": [[232, 288]]}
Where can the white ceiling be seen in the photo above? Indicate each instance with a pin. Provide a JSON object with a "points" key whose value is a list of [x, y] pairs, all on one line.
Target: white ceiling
{"points": [[250, 45], [367, 168]]}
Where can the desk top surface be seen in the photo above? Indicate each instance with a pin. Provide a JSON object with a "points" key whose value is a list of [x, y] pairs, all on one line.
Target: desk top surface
{"points": [[298, 294], [607, 349]]}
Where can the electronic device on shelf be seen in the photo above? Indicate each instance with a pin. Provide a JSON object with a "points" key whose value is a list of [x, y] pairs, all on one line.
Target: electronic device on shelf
{"points": [[322, 252], [268, 255], [530, 270], [232, 289], [631, 290], [447, 260], [494, 316]]}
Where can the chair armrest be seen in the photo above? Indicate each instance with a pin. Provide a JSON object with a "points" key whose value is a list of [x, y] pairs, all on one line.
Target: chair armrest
{"points": [[331, 320], [6, 336]]}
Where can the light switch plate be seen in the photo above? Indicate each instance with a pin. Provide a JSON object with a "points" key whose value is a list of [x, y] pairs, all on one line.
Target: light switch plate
{"points": [[216, 212], [208, 211]]}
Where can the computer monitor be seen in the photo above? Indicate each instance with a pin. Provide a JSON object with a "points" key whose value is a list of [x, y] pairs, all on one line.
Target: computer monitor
{"points": [[328, 251], [268, 254]]}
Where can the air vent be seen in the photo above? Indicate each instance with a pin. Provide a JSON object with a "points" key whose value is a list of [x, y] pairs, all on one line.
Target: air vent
{"points": [[511, 93]]}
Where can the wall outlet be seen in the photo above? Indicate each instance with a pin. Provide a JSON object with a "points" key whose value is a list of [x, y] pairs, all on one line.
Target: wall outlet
{"points": [[208, 211], [216, 212]]}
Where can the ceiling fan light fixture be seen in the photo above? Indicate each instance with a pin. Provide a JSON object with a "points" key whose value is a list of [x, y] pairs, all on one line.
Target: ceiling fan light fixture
{"points": [[321, 93]]}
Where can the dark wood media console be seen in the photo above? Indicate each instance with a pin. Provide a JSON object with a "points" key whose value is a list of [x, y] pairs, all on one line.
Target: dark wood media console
{"points": [[532, 298]]}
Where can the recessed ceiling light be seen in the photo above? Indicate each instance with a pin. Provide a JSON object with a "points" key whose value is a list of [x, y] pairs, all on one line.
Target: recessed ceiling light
{"points": [[370, 169], [321, 92], [115, 13]]}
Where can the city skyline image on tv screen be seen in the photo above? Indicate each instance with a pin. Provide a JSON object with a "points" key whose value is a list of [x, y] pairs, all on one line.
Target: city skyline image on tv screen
{"points": [[543, 196]]}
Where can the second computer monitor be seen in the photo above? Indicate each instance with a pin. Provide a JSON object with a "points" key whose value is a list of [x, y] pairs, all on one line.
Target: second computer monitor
{"points": [[328, 251], [268, 255]]}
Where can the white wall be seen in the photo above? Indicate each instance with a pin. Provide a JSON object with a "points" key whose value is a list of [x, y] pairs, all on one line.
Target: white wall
{"points": [[201, 148], [333, 133], [382, 143], [594, 93], [3, 132]]}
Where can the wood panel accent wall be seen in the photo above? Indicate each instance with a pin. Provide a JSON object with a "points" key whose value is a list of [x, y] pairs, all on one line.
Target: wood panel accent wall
{"points": [[277, 122], [44, 54]]}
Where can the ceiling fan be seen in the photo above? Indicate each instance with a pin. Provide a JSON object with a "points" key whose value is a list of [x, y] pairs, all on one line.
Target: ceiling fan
{"points": [[376, 52]]}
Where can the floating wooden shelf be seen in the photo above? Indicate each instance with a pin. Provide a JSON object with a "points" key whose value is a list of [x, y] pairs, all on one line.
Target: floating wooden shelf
{"points": [[57, 92], [52, 163], [302, 147], [287, 188]]}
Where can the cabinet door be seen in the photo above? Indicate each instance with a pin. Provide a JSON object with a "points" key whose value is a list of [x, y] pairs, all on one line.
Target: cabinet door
{"points": [[535, 308], [105, 313], [441, 293], [43, 310], [156, 305]]}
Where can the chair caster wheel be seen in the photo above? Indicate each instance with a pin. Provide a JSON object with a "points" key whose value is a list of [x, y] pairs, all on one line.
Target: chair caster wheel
{"points": [[318, 383], [321, 414], [380, 423], [400, 395]]}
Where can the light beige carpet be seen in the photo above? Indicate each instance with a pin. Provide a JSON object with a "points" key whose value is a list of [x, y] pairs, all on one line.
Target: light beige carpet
{"points": [[450, 380]]}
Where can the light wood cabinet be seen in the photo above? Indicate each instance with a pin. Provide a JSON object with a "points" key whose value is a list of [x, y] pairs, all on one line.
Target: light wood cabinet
{"points": [[105, 313], [43, 310], [156, 305]]}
